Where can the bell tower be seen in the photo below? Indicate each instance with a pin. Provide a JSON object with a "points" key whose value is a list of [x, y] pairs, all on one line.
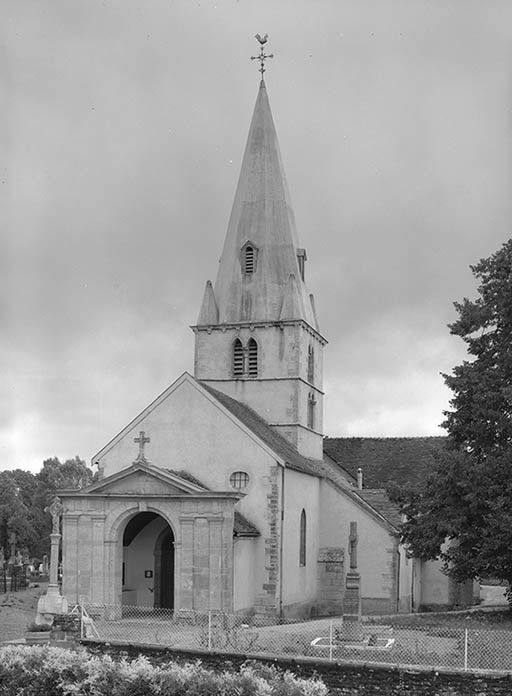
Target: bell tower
{"points": [[257, 337]]}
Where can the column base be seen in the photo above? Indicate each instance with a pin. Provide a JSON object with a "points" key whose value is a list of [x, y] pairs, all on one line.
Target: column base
{"points": [[50, 604]]}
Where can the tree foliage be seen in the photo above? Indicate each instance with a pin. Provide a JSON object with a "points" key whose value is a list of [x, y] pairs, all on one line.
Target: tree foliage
{"points": [[481, 417], [24, 496], [467, 500]]}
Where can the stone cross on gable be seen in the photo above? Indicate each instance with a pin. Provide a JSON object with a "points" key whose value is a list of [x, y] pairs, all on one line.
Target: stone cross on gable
{"points": [[141, 440]]}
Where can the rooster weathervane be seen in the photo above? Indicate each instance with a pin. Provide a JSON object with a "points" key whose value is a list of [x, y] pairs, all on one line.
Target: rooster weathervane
{"points": [[262, 56]]}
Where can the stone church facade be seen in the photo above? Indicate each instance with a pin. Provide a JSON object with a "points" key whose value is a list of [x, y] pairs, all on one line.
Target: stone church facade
{"points": [[219, 494]]}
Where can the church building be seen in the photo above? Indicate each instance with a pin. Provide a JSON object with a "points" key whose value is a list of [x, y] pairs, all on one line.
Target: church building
{"points": [[219, 494]]}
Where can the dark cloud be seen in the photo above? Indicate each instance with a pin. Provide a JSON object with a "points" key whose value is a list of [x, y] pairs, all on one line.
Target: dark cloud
{"points": [[126, 124]]}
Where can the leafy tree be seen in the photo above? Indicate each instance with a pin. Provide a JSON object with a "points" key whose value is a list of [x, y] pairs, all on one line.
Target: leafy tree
{"points": [[24, 496], [481, 419], [15, 515], [54, 475], [467, 500]]}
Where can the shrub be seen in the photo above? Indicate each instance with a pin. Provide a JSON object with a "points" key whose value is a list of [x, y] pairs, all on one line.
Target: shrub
{"points": [[39, 671]]}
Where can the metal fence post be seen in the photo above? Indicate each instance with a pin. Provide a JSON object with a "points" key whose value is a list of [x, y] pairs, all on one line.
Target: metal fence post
{"points": [[81, 622], [465, 649], [210, 630], [330, 641]]}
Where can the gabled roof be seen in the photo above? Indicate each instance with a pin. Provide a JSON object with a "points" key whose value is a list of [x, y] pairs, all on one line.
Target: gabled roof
{"points": [[165, 482], [243, 528], [379, 500], [282, 448], [386, 461]]}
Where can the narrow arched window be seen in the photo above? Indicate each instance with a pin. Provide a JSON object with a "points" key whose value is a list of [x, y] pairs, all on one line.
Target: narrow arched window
{"points": [[302, 539], [238, 357], [252, 355], [311, 411], [311, 364], [249, 259]]}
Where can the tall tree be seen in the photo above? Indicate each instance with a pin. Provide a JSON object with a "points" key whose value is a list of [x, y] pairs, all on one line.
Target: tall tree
{"points": [[468, 498], [481, 417]]}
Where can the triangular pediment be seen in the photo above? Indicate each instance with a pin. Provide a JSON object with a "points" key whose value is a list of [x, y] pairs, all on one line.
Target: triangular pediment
{"points": [[143, 479]]}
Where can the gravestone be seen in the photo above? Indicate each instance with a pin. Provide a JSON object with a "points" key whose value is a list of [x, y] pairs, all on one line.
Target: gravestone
{"points": [[330, 580]]}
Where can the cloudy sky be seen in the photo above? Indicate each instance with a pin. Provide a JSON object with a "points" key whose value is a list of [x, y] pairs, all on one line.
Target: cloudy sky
{"points": [[124, 124]]}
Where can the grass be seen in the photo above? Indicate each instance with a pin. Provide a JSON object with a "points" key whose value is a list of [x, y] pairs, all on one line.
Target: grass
{"points": [[17, 610]]}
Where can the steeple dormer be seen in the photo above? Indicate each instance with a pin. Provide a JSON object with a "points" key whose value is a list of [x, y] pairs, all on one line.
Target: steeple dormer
{"points": [[257, 327]]}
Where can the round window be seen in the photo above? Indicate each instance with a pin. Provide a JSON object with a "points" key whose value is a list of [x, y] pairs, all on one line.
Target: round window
{"points": [[239, 479]]}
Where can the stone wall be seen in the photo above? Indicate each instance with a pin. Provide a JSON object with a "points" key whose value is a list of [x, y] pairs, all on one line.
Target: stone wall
{"points": [[341, 679]]}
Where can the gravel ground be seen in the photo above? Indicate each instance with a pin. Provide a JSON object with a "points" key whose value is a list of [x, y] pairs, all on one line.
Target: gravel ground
{"points": [[17, 609]]}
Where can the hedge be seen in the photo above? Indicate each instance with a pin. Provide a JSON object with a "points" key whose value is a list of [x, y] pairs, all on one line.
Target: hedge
{"points": [[48, 671]]}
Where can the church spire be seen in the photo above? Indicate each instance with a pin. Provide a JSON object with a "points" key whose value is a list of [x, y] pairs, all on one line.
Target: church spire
{"points": [[257, 337], [261, 248]]}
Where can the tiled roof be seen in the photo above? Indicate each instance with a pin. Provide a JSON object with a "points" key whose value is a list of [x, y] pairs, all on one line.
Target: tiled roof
{"points": [[386, 461], [281, 446], [378, 499], [242, 527], [188, 477]]}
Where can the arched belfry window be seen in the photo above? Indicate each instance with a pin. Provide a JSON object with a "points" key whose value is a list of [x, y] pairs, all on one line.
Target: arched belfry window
{"points": [[311, 411], [302, 539], [252, 355], [311, 364], [248, 258], [238, 358]]}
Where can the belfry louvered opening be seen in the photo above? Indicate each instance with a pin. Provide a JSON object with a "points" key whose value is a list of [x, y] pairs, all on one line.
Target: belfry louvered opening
{"points": [[249, 259], [238, 358], [252, 354]]}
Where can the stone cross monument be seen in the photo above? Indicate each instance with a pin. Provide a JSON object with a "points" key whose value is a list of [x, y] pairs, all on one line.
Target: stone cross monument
{"points": [[352, 597], [53, 602]]}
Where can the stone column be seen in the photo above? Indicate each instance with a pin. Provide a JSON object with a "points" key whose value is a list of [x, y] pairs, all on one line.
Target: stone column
{"points": [[53, 602], [186, 578]]}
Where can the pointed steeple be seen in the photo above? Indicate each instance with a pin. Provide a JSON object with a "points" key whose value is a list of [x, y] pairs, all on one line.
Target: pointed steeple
{"points": [[209, 312], [260, 249], [291, 307]]}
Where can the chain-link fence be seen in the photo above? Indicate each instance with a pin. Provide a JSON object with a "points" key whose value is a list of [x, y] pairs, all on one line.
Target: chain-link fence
{"points": [[430, 646]]}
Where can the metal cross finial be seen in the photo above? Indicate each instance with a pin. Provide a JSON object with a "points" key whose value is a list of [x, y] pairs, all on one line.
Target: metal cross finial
{"points": [[141, 440], [263, 56]]}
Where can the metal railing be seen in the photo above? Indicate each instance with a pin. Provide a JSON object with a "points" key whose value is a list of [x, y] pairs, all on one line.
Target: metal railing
{"points": [[429, 646]]}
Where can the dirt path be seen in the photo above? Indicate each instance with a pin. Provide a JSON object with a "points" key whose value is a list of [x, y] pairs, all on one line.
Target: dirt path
{"points": [[17, 609]]}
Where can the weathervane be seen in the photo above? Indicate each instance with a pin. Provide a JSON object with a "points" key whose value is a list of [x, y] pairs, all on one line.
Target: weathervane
{"points": [[263, 56]]}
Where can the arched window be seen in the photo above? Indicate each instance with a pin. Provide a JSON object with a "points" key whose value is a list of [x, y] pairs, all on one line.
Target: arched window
{"points": [[302, 539], [238, 358], [311, 411], [249, 259], [311, 364], [252, 353]]}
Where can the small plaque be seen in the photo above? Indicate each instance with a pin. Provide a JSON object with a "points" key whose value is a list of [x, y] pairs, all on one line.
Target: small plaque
{"points": [[148, 573]]}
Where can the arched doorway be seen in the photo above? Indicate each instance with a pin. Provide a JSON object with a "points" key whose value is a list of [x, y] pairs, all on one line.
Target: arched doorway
{"points": [[148, 562]]}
